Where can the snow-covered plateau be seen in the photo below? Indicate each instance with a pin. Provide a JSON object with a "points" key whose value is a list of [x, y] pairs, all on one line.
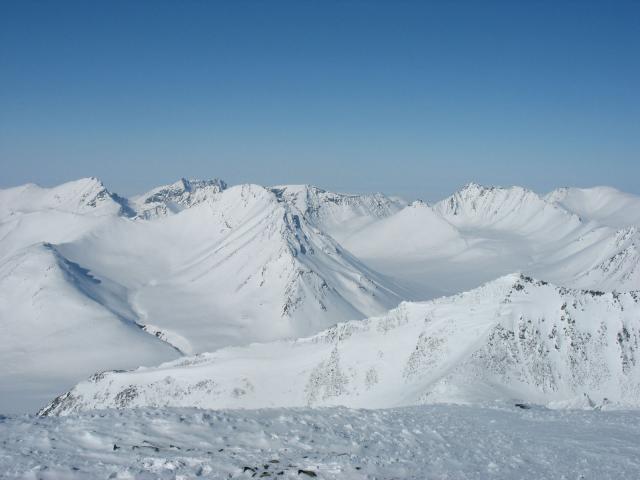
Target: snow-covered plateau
{"points": [[137, 327]]}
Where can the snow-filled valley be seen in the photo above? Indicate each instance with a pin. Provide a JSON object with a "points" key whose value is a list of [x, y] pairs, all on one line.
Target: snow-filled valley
{"points": [[216, 296]]}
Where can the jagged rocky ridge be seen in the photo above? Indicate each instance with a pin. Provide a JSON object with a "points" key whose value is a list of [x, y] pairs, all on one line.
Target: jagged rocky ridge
{"points": [[338, 214], [171, 199], [514, 339]]}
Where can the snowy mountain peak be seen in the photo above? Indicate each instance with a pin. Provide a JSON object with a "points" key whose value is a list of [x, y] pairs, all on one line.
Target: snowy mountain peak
{"points": [[83, 196], [476, 187], [192, 184], [516, 209], [94, 194], [474, 190], [309, 199], [168, 199], [338, 214], [474, 198]]}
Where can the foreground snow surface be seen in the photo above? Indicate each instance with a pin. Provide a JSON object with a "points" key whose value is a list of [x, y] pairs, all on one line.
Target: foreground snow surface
{"points": [[435, 441]]}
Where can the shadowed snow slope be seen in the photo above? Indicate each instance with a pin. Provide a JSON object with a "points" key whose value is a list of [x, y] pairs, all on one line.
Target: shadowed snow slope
{"points": [[59, 323], [514, 339]]}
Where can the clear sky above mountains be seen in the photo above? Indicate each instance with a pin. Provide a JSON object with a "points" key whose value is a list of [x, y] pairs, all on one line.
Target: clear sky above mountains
{"points": [[409, 98]]}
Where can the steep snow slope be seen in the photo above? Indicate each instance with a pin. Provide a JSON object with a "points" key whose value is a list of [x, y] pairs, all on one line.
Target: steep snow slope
{"points": [[233, 266], [604, 205], [169, 199], [426, 442], [239, 268], [338, 214], [59, 323], [514, 339], [600, 258]]}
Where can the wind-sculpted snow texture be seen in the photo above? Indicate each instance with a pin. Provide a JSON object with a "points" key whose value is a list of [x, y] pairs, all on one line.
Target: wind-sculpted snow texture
{"points": [[515, 339], [438, 441], [198, 265]]}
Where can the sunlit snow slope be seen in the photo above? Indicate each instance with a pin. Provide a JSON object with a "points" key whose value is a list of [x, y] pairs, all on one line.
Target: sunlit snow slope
{"points": [[513, 339]]}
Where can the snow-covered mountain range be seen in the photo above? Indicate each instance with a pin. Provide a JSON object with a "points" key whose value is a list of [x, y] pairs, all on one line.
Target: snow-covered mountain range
{"points": [[92, 281]]}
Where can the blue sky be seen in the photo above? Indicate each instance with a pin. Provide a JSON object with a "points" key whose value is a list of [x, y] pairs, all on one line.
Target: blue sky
{"points": [[409, 98]]}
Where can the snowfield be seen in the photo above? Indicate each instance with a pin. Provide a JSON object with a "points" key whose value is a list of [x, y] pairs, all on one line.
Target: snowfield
{"points": [[426, 442]]}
